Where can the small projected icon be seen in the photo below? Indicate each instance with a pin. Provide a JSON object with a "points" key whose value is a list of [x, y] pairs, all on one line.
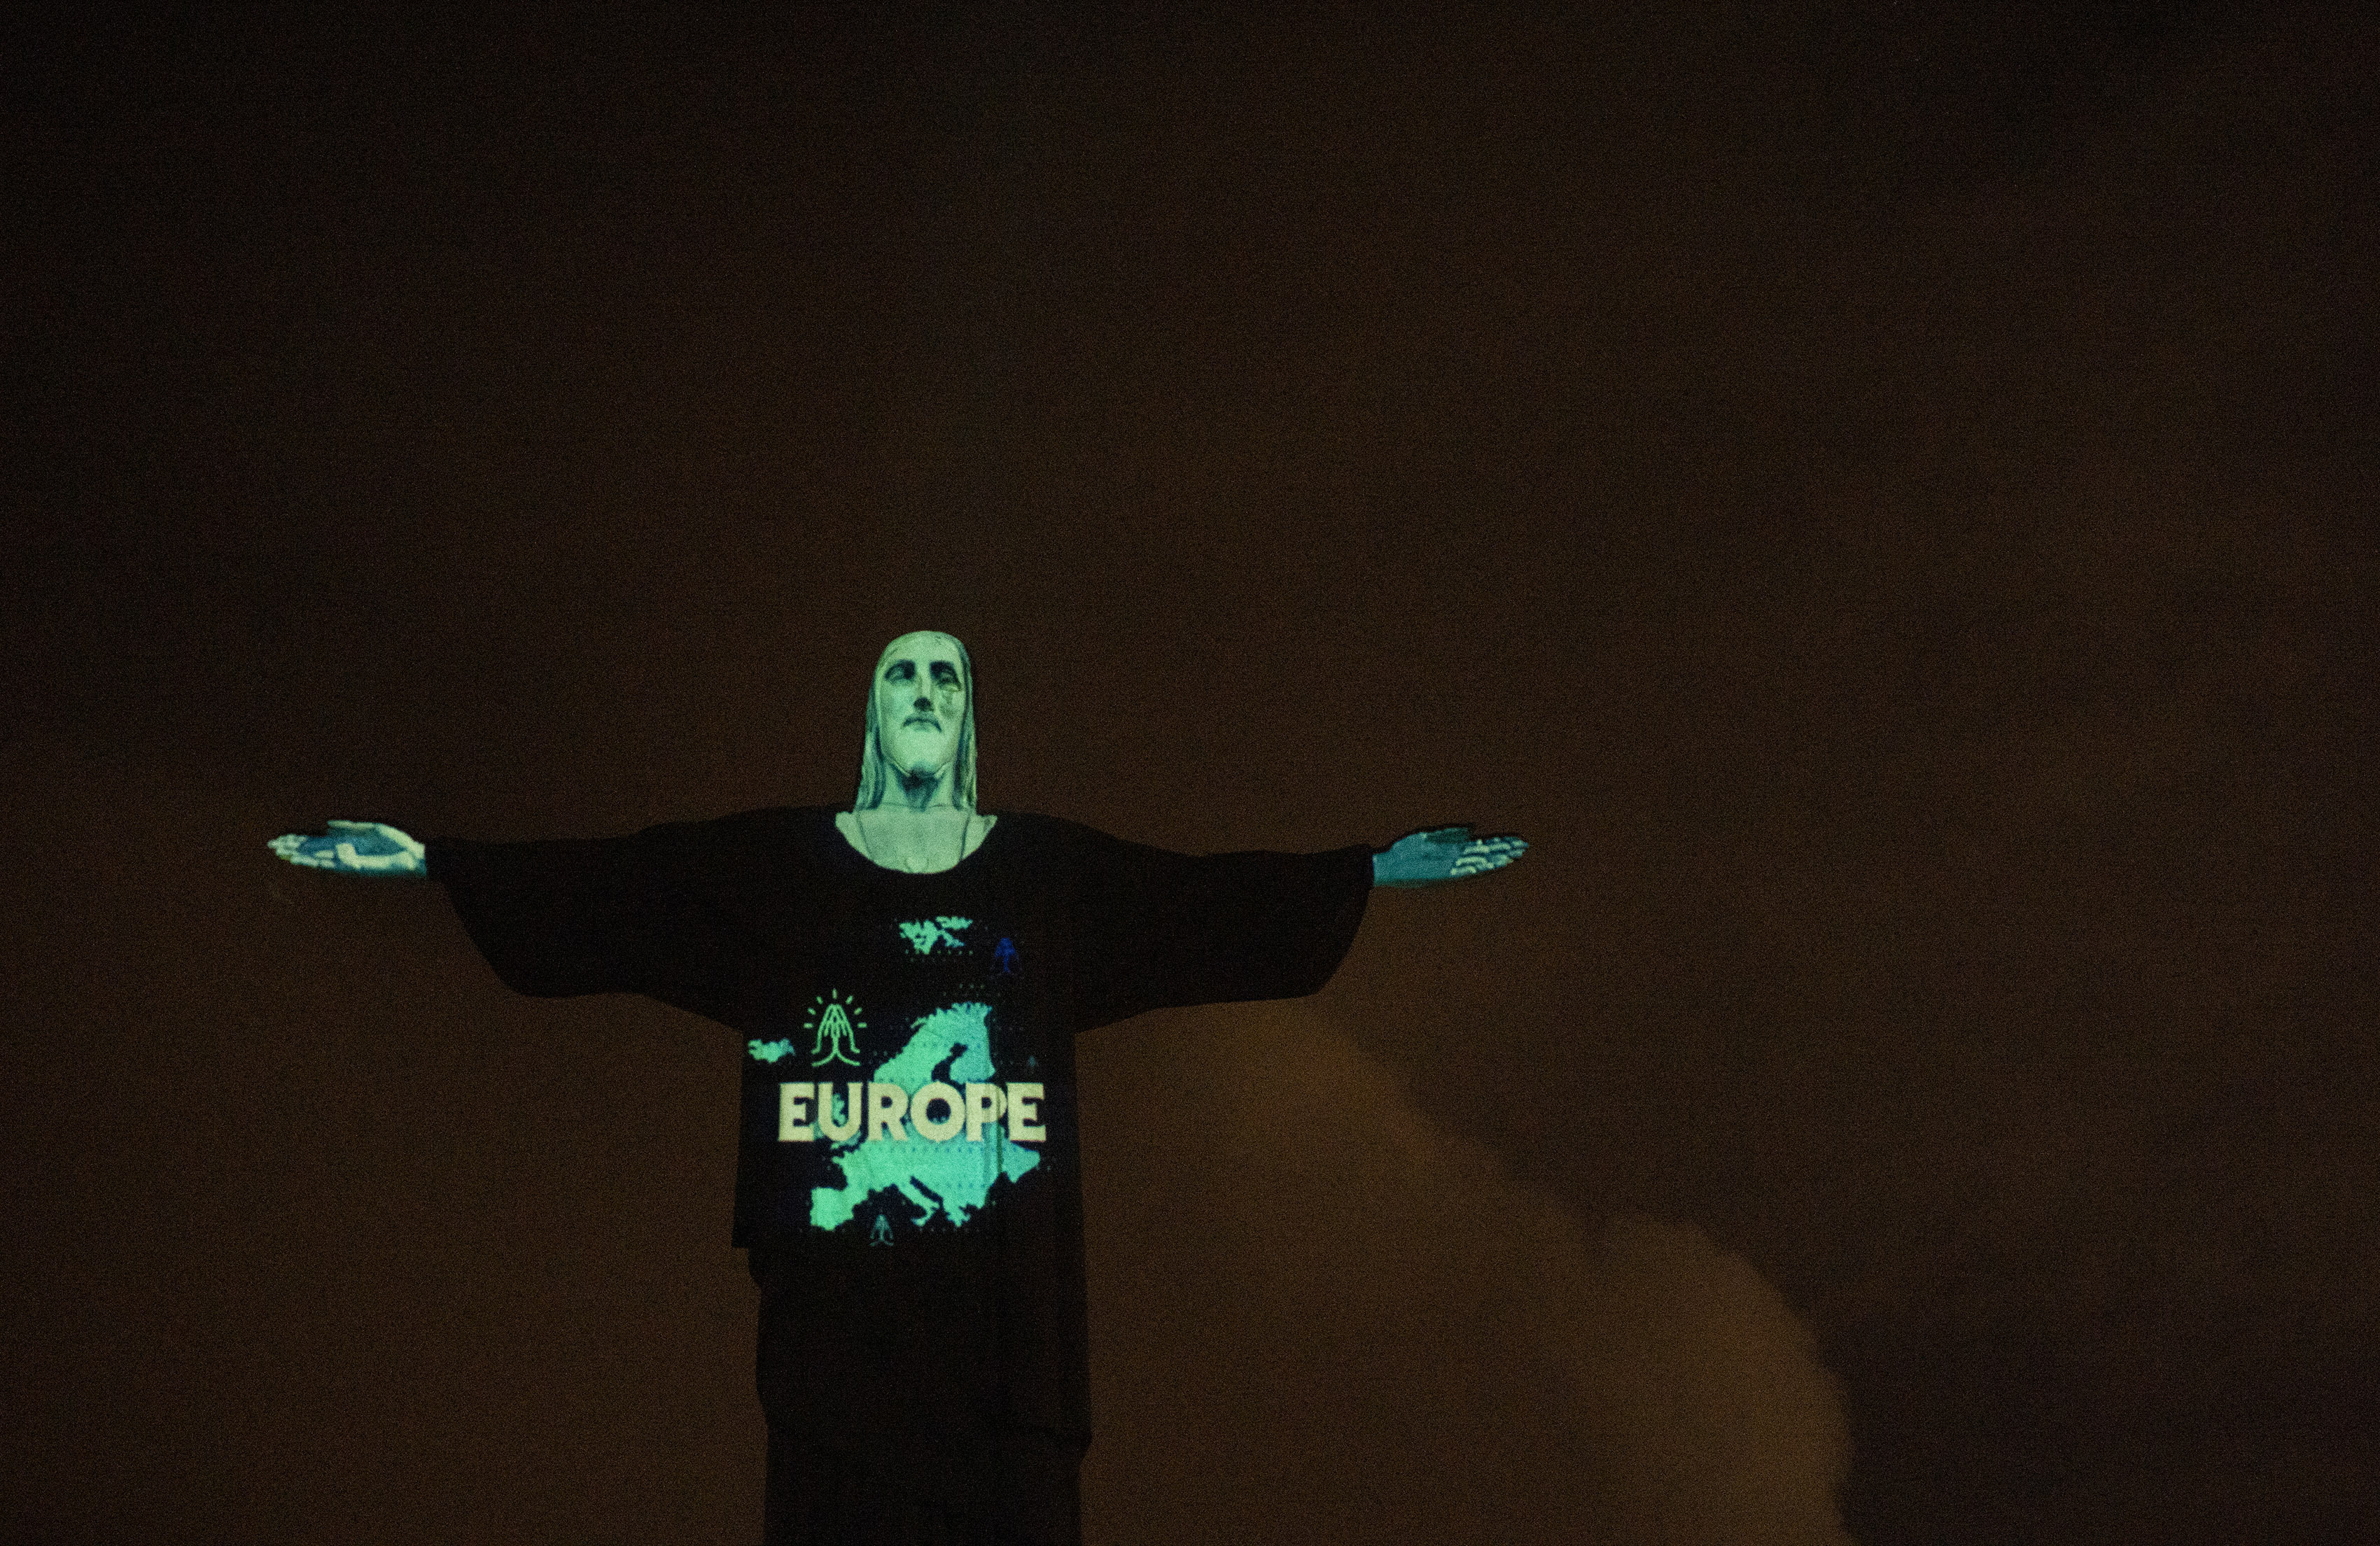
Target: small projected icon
{"points": [[834, 1035]]}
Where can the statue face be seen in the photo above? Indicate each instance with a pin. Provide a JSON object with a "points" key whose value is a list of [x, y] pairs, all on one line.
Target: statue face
{"points": [[920, 704]]}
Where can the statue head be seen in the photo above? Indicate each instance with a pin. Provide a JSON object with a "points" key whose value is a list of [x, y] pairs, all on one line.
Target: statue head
{"points": [[919, 749]]}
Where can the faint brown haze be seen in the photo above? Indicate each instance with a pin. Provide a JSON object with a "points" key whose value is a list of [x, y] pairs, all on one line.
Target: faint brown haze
{"points": [[1344, 1324]]}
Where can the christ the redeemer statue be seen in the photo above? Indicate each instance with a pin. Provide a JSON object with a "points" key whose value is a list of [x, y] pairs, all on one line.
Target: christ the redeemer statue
{"points": [[907, 979]]}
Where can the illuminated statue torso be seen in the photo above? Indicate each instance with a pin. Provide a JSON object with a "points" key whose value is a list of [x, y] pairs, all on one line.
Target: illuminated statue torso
{"points": [[926, 844]]}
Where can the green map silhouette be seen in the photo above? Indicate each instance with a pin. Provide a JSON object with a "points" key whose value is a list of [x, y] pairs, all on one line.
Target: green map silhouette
{"points": [[952, 1178]]}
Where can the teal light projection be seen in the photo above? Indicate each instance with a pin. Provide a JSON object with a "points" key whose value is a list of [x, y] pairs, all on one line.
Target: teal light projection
{"points": [[928, 1128], [834, 1028], [928, 933]]}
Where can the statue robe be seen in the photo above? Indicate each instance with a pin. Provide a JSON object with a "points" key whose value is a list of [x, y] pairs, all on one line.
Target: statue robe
{"points": [[908, 1173]]}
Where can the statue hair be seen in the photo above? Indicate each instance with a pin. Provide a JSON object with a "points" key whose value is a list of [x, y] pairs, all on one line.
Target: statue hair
{"points": [[871, 764]]}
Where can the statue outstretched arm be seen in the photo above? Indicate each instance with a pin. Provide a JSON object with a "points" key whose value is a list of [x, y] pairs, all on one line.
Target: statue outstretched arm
{"points": [[1437, 855], [355, 848]]}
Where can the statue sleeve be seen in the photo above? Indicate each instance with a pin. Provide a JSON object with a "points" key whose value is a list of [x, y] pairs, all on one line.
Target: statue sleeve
{"points": [[562, 917], [1162, 930]]}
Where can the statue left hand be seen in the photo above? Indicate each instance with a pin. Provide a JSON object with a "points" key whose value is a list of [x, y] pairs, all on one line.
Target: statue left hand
{"points": [[1437, 855]]}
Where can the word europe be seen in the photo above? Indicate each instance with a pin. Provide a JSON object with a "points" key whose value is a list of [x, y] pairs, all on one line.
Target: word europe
{"points": [[889, 1104]]}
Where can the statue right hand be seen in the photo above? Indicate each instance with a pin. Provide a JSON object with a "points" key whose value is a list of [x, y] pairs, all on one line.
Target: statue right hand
{"points": [[355, 848]]}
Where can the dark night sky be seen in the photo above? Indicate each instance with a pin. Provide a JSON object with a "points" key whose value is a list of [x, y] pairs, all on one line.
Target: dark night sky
{"points": [[1872, 492]]}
